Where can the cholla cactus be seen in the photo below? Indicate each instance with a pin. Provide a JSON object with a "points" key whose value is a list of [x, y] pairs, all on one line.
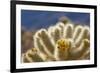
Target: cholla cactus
{"points": [[60, 42]]}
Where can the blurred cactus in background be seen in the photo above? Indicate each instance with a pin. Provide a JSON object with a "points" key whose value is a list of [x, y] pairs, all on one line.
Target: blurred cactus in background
{"points": [[61, 42]]}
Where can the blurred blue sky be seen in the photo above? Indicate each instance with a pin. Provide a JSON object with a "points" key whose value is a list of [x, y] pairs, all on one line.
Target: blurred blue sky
{"points": [[32, 19]]}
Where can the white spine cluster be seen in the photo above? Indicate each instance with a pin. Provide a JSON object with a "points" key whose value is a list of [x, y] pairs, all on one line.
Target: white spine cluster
{"points": [[60, 42]]}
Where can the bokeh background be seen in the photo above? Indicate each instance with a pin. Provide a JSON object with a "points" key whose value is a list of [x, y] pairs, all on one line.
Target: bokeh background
{"points": [[32, 20]]}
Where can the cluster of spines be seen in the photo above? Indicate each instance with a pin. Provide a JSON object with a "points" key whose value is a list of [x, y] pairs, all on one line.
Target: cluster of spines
{"points": [[46, 46]]}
